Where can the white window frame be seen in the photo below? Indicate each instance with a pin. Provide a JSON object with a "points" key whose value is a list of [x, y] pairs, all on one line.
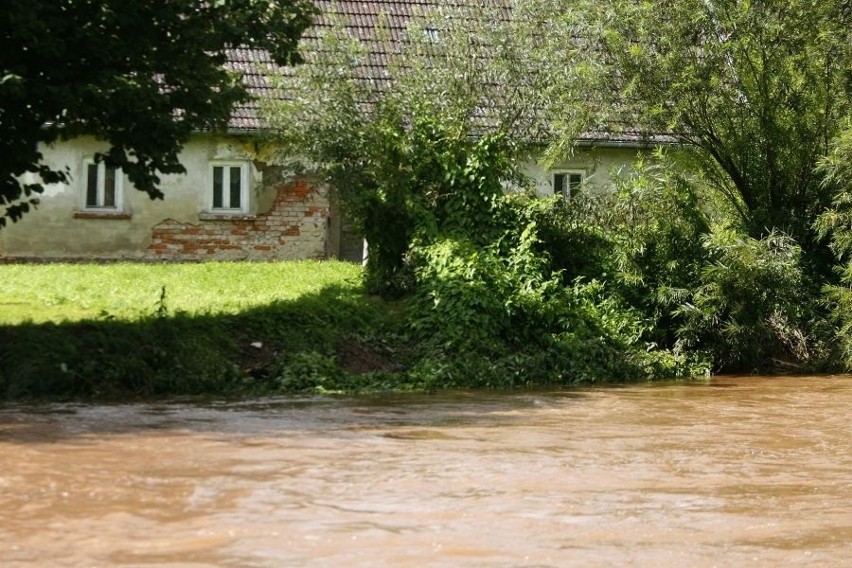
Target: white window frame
{"points": [[226, 186], [432, 34], [568, 173], [100, 196]]}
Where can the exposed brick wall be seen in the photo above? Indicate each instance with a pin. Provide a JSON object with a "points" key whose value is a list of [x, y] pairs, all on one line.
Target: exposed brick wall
{"points": [[295, 227]]}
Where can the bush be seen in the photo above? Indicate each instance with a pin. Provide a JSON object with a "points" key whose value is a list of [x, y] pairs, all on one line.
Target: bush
{"points": [[500, 315], [309, 371], [835, 225], [642, 239], [751, 309], [469, 296]]}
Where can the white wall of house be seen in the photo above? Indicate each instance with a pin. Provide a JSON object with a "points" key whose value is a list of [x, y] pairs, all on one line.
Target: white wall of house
{"points": [[271, 219], [61, 226], [598, 166]]}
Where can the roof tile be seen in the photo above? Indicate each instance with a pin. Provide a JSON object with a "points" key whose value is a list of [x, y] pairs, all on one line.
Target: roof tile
{"points": [[361, 19]]}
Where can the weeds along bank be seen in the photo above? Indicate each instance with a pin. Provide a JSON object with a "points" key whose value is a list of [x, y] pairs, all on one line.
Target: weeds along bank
{"points": [[319, 337], [110, 332]]}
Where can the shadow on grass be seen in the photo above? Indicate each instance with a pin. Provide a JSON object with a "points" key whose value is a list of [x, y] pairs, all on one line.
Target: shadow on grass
{"points": [[336, 340], [214, 354]]}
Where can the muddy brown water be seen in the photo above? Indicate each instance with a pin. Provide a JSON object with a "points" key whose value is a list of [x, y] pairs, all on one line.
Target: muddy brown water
{"points": [[737, 471]]}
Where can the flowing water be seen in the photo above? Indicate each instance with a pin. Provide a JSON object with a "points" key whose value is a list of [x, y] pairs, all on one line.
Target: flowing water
{"points": [[737, 471]]}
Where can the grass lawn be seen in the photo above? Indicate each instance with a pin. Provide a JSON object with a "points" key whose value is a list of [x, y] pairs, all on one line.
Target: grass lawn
{"points": [[84, 331], [130, 291]]}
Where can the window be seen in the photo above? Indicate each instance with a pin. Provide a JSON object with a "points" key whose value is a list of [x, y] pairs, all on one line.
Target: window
{"points": [[432, 34], [102, 186], [567, 183], [229, 187]]}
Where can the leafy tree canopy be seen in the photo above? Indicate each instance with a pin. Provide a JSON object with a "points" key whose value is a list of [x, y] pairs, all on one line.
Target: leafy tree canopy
{"points": [[758, 87], [426, 145], [140, 75]]}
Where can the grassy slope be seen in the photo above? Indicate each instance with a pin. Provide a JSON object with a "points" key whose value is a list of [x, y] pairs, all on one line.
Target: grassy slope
{"points": [[84, 331]]}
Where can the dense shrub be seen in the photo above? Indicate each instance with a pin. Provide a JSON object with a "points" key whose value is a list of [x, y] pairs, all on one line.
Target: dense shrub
{"points": [[835, 226], [642, 237], [500, 315], [751, 309]]}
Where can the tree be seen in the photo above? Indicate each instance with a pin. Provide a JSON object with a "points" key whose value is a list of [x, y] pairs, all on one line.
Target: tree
{"points": [[419, 127], [140, 75], [425, 144], [757, 88], [835, 225]]}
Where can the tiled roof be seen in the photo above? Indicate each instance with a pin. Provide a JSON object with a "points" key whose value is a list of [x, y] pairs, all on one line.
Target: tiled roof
{"points": [[256, 67], [362, 19]]}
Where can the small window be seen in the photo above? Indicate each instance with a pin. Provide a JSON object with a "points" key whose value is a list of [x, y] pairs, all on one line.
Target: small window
{"points": [[432, 34], [229, 188], [567, 183], [102, 186]]}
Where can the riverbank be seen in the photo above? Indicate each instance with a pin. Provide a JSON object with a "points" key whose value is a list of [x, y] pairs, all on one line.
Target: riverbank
{"points": [[126, 331]]}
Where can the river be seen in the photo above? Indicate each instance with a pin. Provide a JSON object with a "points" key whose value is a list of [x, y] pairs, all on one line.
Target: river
{"points": [[734, 471]]}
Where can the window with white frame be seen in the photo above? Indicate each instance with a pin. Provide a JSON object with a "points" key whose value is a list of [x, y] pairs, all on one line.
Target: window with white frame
{"points": [[432, 34], [228, 187], [567, 182], [103, 186]]}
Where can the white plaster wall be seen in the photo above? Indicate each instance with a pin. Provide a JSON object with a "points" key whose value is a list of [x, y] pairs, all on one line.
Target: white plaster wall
{"points": [[599, 166], [53, 231]]}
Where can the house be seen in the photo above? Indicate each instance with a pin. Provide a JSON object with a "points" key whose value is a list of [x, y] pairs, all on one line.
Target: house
{"points": [[234, 203]]}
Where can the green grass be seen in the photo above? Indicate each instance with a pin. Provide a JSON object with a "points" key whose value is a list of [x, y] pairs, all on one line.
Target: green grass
{"points": [[97, 331], [131, 291]]}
